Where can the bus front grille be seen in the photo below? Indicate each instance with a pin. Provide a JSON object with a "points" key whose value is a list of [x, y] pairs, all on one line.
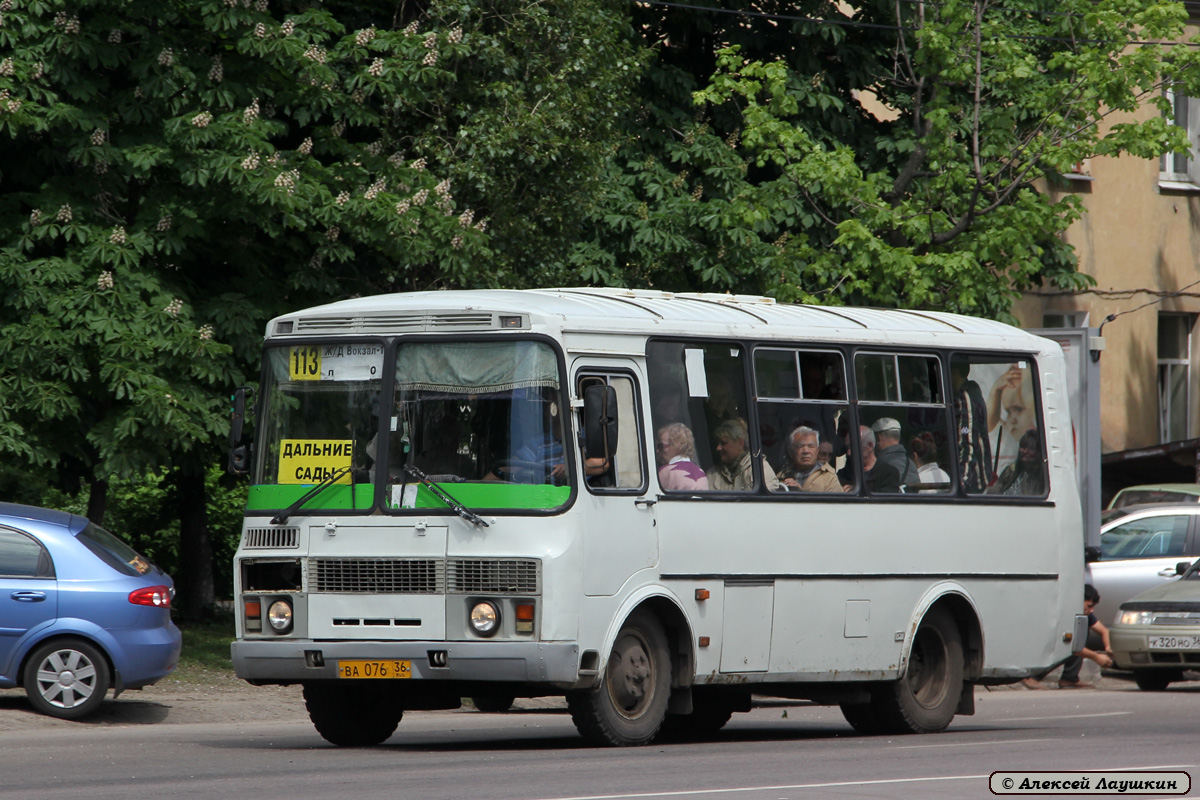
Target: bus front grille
{"points": [[271, 538], [494, 576], [377, 576]]}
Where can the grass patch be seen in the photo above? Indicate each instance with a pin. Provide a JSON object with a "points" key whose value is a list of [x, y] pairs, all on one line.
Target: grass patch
{"points": [[205, 656]]}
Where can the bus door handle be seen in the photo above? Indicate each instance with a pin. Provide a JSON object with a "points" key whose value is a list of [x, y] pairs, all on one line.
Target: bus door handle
{"points": [[643, 501]]}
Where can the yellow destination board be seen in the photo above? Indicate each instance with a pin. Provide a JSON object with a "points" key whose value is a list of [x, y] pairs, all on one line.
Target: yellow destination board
{"points": [[314, 460]]}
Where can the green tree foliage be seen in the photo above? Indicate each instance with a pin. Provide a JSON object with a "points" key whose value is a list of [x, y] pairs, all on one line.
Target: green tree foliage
{"points": [[173, 173], [885, 153]]}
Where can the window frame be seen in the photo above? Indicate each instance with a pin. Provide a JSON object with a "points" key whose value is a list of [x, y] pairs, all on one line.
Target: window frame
{"points": [[1165, 404], [45, 562], [588, 371]]}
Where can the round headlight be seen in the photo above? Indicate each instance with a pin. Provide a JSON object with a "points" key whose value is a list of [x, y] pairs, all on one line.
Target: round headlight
{"points": [[485, 618], [279, 615]]}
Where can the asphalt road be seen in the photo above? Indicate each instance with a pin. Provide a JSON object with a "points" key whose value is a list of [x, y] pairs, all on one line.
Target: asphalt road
{"points": [[792, 751]]}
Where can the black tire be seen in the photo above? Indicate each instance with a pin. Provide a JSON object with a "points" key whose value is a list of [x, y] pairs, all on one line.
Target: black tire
{"points": [[628, 706], [925, 699], [863, 718], [357, 714], [1155, 680], [67, 678], [494, 703]]}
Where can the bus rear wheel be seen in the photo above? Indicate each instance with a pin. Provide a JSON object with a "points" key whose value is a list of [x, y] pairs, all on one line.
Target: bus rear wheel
{"points": [[926, 698], [361, 714], [628, 706]]}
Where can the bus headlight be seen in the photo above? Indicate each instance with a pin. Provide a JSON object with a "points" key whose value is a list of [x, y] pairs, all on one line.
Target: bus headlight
{"points": [[485, 618], [279, 616]]}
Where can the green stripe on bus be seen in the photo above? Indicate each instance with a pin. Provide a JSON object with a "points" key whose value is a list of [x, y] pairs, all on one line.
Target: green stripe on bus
{"points": [[470, 495]]}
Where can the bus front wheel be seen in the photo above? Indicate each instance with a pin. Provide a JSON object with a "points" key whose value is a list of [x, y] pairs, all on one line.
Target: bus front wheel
{"points": [[628, 706], [360, 714], [925, 699]]}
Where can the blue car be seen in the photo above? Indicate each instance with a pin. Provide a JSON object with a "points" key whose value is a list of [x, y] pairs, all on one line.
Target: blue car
{"points": [[80, 612]]}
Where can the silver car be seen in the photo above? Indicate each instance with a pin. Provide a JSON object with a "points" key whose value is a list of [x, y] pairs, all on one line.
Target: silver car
{"points": [[1142, 547], [1157, 633]]}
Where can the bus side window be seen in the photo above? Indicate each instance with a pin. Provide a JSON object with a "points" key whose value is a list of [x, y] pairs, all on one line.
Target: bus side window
{"points": [[624, 470], [902, 400], [801, 389], [703, 387], [1001, 446]]}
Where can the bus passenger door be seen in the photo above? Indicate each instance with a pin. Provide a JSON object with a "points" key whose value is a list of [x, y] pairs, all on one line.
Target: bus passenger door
{"points": [[619, 537]]}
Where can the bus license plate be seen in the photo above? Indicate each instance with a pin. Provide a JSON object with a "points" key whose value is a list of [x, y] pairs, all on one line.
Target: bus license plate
{"points": [[374, 669], [1173, 642]]}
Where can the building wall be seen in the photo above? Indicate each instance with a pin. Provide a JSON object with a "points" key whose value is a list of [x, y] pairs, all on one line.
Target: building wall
{"points": [[1139, 241]]}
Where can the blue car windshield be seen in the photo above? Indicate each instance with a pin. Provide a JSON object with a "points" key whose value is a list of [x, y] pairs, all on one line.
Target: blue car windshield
{"points": [[113, 551]]}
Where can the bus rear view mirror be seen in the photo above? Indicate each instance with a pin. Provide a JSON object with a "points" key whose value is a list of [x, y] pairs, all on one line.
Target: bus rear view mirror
{"points": [[238, 460], [599, 421]]}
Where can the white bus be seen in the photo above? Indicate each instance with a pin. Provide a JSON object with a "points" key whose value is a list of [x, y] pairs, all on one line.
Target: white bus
{"points": [[589, 493]]}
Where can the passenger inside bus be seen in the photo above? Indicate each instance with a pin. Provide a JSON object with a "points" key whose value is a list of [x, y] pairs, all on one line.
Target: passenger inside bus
{"points": [[889, 450], [932, 478], [804, 472], [1026, 476], [970, 420], [735, 471], [675, 451], [879, 477]]}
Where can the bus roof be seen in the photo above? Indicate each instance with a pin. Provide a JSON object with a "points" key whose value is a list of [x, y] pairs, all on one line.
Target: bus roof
{"points": [[608, 310]]}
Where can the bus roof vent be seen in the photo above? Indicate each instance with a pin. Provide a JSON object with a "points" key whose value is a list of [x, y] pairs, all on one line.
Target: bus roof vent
{"points": [[399, 323]]}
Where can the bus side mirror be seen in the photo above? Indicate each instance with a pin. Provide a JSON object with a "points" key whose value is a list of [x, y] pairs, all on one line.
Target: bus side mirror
{"points": [[599, 421], [238, 453]]}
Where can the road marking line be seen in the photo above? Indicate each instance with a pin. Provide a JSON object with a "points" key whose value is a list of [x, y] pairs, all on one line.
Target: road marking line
{"points": [[969, 744], [1072, 716], [738, 789], [831, 784]]}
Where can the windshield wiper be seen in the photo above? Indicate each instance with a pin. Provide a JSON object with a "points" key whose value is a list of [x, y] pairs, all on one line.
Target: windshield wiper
{"points": [[440, 494], [332, 478]]}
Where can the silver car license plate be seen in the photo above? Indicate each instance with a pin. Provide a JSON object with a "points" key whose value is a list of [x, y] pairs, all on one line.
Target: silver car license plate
{"points": [[1173, 642]]}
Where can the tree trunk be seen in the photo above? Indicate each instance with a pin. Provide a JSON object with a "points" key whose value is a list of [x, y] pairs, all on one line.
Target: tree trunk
{"points": [[97, 501], [195, 579]]}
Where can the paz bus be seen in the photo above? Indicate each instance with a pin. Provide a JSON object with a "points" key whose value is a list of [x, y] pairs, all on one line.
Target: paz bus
{"points": [[465, 494]]}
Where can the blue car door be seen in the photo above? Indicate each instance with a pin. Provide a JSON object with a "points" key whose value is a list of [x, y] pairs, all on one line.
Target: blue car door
{"points": [[28, 594]]}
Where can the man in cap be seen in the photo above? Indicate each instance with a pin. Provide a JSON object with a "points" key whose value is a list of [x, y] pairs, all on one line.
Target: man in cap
{"points": [[889, 450]]}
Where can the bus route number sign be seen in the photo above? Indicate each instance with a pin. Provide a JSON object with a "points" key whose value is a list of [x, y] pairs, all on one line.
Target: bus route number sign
{"points": [[375, 669], [304, 363]]}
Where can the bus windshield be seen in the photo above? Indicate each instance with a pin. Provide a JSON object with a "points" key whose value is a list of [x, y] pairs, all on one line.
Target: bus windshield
{"points": [[483, 420]]}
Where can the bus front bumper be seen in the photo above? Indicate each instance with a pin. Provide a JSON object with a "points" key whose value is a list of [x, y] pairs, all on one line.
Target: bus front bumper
{"points": [[290, 661]]}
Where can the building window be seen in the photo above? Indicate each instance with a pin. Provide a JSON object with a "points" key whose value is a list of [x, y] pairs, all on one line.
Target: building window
{"points": [[1181, 170], [1174, 372], [1065, 319]]}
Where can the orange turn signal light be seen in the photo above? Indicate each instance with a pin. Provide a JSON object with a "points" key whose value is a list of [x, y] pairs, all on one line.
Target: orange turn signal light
{"points": [[703, 594]]}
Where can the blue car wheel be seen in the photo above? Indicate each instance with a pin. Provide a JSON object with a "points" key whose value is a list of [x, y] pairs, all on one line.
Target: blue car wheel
{"points": [[66, 678]]}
